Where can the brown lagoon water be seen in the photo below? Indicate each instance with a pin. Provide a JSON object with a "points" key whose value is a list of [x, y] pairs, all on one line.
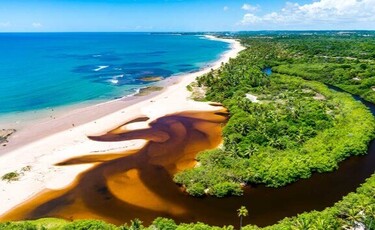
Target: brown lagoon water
{"points": [[139, 184]]}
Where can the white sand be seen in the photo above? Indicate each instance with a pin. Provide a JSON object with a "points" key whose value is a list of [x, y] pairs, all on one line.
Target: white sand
{"points": [[252, 98], [44, 144]]}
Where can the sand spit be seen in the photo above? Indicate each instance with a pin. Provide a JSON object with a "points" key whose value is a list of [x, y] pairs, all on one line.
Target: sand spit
{"points": [[42, 145]]}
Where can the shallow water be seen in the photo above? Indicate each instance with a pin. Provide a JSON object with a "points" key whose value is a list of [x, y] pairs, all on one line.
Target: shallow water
{"points": [[133, 184], [139, 184], [41, 70]]}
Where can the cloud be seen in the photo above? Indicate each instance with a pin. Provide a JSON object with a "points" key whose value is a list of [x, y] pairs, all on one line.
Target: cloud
{"points": [[225, 8], [36, 24], [322, 11], [250, 19], [250, 8], [4, 24]]}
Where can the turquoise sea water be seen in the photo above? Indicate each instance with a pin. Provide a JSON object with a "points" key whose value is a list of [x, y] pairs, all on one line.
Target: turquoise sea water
{"points": [[41, 70]]}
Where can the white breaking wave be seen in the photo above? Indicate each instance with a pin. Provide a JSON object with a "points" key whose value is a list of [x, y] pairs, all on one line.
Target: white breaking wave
{"points": [[115, 80], [101, 67]]}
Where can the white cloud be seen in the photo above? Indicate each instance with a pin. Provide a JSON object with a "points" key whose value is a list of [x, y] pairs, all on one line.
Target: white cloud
{"points": [[250, 8], [225, 8], [4, 24], [36, 24], [322, 11], [250, 19]]}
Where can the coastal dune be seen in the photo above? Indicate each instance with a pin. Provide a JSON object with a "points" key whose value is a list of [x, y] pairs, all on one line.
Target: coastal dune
{"points": [[38, 152]]}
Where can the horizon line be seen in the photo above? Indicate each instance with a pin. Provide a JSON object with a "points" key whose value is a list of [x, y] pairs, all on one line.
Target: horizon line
{"points": [[177, 32]]}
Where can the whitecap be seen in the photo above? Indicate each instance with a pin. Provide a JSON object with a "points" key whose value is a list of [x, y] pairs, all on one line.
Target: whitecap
{"points": [[115, 78], [113, 81], [101, 67]]}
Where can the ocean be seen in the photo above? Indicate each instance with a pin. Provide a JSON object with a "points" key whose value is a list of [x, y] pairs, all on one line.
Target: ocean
{"points": [[47, 70]]}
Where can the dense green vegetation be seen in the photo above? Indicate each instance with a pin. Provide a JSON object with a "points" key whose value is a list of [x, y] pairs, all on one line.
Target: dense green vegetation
{"points": [[298, 127], [355, 78], [344, 61], [58, 224]]}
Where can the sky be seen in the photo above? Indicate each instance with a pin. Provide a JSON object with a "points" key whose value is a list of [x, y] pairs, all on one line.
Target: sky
{"points": [[184, 15]]}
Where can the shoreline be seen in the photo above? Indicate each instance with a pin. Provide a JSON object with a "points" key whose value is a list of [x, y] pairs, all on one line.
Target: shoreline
{"points": [[39, 119], [46, 143], [16, 120]]}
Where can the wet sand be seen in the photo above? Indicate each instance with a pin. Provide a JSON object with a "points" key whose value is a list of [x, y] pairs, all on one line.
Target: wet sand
{"points": [[132, 184], [41, 146]]}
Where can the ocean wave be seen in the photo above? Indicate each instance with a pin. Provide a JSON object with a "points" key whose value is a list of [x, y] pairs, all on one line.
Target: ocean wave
{"points": [[101, 67], [115, 79], [132, 93], [90, 71]]}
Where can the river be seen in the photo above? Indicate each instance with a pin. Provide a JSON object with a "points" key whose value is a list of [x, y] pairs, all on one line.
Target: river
{"points": [[139, 184]]}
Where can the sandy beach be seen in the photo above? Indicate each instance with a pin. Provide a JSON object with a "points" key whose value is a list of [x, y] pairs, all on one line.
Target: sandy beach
{"points": [[41, 145]]}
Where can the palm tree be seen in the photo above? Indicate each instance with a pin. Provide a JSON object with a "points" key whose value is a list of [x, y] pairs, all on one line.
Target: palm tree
{"points": [[321, 224], [302, 224], [241, 213], [369, 215]]}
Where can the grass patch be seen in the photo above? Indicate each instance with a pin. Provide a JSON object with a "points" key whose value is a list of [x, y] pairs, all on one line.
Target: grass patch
{"points": [[12, 176]]}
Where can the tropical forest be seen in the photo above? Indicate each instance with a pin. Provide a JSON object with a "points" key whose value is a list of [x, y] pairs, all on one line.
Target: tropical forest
{"points": [[301, 107]]}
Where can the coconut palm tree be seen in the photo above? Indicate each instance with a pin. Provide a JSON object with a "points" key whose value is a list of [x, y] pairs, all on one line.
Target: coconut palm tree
{"points": [[241, 213], [370, 214], [302, 223]]}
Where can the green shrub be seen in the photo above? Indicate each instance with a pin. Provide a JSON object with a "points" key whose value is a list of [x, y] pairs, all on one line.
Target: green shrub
{"points": [[227, 189], [12, 176], [18, 226], [163, 224], [196, 189], [89, 225]]}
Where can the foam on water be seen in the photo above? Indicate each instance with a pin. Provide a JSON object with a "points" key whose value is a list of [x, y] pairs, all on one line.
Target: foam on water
{"points": [[113, 81], [101, 67], [41, 70]]}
